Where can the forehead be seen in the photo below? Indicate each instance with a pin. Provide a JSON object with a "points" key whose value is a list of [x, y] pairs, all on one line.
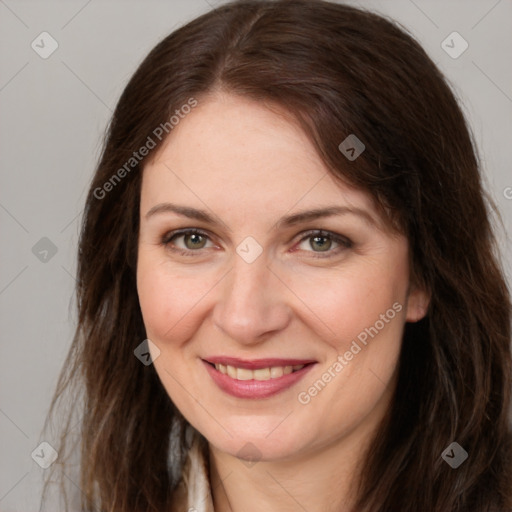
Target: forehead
{"points": [[233, 154]]}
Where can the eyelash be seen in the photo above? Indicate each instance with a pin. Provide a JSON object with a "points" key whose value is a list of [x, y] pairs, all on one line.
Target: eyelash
{"points": [[344, 243]]}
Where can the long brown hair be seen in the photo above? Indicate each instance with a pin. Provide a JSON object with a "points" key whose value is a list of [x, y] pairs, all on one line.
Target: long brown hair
{"points": [[337, 70]]}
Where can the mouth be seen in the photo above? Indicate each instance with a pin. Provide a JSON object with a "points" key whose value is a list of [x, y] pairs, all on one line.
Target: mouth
{"points": [[255, 379]]}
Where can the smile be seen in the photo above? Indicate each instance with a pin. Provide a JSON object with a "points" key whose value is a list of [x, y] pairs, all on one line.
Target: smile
{"points": [[255, 379], [273, 372]]}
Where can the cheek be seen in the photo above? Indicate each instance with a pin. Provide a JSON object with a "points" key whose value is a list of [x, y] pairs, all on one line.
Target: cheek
{"points": [[170, 301], [342, 306], [361, 319]]}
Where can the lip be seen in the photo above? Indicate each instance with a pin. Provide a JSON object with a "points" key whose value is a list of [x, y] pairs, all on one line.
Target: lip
{"points": [[256, 389]]}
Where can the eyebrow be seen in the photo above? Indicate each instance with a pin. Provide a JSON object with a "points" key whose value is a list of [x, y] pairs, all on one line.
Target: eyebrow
{"points": [[287, 221], [330, 211], [184, 211]]}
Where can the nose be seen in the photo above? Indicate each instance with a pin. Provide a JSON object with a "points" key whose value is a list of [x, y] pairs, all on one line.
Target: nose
{"points": [[251, 305]]}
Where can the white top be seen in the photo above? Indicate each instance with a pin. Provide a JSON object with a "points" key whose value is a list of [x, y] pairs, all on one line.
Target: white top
{"points": [[193, 493]]}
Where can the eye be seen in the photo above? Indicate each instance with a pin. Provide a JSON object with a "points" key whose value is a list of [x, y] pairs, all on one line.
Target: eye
{"points": [[326, 242], [186, 241]]}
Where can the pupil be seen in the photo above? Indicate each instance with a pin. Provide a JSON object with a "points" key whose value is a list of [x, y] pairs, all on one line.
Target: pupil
{"points": [[323, 243], [194, 240]]}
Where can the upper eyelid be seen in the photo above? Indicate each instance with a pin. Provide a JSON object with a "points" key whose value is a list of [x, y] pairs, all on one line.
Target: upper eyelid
{"points": [[185, 231], [338, 238], [303, 235]]}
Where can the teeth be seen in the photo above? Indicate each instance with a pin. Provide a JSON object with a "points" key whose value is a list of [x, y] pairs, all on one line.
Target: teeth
{"points": [[261, 374], [273, 372], [276, 371], [244, 374]]}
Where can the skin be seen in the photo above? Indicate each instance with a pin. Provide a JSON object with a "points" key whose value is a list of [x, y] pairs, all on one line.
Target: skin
{"points": [[248, 166]]}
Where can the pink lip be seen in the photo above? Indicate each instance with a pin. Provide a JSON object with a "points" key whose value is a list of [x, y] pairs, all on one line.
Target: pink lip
{"points": [[256, 389]]}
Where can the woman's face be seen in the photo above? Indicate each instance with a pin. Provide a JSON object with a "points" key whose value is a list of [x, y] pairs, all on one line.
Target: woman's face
{"points": [[253, 261]]}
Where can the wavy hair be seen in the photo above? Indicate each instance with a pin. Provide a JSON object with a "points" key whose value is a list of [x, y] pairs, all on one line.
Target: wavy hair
{"points": [[337, 70]]}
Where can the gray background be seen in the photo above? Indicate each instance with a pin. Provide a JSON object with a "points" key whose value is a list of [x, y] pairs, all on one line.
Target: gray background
{"points": [[53, 113]]}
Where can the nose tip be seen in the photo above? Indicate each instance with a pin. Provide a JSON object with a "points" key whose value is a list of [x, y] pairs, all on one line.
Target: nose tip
{"points": [[252, 303]]}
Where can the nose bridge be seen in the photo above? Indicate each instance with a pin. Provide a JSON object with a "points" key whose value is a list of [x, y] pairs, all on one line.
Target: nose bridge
{"points": [[252, 302]]}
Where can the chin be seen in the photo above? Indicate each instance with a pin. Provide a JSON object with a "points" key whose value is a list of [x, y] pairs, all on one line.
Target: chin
{"points": [[257, 443]]}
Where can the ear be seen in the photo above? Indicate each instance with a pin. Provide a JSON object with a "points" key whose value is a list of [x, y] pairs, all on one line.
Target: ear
{"points": [[418, 301]]}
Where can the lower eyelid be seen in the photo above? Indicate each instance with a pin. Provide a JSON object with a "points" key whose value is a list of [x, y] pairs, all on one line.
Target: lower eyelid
{"points": [[343, 243]]}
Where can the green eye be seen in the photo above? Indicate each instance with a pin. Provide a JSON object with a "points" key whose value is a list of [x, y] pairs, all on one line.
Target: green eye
{"points": [[194, 241], [186, 241], [325, 242], [320, 243]]}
